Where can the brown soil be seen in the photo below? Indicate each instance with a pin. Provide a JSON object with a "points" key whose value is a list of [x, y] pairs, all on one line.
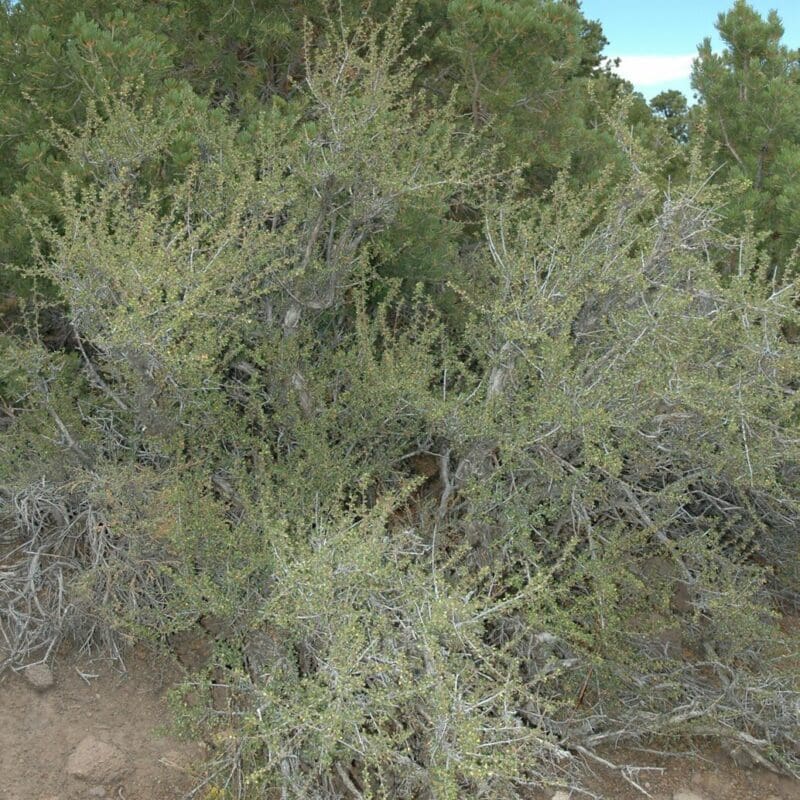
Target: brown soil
{"points": [[707, 774], [121, 718], [45, 733]]}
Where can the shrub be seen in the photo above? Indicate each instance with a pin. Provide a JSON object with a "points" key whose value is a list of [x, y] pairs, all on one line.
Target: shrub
{"points": [[444, 549]]}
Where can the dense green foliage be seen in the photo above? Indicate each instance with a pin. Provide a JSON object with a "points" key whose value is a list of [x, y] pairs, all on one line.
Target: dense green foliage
{"points": [[751, 101], [415, 367]]}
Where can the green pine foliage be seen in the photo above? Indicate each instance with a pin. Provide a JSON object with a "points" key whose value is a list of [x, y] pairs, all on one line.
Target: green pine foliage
{"points": [[750, 95]]}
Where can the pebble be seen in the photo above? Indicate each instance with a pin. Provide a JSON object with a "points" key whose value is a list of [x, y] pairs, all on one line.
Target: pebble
{"points": [[40, 676], [687, 796], [96, 761], [742, 758]]}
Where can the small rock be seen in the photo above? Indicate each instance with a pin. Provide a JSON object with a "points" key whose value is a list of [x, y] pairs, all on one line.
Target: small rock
{"points": [[96, 761], [560, 796], [687, 796], [742, 758], [98, 791], [40, 676]]}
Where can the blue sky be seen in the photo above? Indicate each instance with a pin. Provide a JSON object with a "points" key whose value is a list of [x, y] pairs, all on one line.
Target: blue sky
{"points": [[657, 40]]}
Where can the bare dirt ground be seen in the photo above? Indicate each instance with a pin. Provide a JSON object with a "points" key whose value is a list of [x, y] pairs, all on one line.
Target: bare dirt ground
{"points": [[92, 737], [707, 774], [105, 737]]}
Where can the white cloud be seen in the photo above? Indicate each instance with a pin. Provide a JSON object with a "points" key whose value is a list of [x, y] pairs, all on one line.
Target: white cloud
{"points": [[649, 70]]}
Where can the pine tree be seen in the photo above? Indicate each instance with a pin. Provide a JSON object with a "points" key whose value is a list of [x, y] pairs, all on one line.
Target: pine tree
{"points": [[672, 107], [751, 97]]}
